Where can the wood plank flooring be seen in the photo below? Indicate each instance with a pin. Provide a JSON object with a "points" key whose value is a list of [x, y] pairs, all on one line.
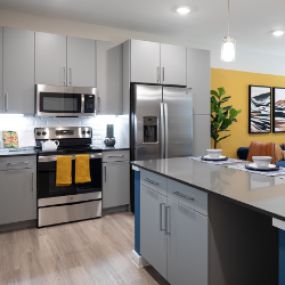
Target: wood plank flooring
{"points": [[90, 252]]}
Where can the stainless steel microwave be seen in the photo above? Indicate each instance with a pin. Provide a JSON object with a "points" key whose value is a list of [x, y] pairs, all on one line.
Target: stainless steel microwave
{"points": [[65, 101]]}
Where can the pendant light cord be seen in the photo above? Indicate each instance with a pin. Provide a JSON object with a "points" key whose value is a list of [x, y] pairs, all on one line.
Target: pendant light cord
{"points": [[228, 18]]}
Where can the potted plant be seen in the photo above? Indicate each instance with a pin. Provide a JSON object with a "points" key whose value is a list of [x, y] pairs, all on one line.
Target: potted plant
{"points": [[222, 115]]}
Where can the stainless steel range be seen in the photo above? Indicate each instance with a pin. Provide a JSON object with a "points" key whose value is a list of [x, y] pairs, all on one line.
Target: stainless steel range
{"points": [[62, 204]]}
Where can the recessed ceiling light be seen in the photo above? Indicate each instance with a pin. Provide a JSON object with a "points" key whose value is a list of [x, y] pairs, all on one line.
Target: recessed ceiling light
{"points": [[278, 33], [183, 10]]}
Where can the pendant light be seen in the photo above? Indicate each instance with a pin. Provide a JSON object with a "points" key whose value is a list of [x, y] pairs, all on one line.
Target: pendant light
{"points": [[228, 51]]}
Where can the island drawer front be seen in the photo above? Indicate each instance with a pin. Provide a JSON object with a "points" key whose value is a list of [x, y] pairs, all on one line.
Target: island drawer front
{"points": [[113, 156], [194, 198], [17, 163], [154, 181]]}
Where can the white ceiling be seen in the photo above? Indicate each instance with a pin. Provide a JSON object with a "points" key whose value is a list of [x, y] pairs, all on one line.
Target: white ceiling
{"points": [[251, 20]]}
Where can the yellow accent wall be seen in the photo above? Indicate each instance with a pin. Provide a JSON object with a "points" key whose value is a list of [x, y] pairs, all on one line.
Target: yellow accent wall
{"points": [[236, 85]]}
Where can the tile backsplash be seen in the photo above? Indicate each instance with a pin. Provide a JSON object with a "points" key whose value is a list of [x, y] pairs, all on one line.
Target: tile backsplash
{"points": [[25, 125]]}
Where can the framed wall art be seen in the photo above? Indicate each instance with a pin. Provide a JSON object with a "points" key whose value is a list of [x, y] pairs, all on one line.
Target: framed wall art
{"points": [[259, 109], [278, 110]]}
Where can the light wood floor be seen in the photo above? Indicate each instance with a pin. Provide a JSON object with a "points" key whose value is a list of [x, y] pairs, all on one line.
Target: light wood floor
{"points": [[90, 252]]}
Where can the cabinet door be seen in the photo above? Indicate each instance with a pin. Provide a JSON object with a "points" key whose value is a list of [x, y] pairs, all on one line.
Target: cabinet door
{"points": [[173, 64], [1, 70], [18, 196], [188, 246], [81, 57], [50, 50], [18, 70], [153, 237], [145, 61], [198, 79], [109, 78], [201, 135], [116, 184]]}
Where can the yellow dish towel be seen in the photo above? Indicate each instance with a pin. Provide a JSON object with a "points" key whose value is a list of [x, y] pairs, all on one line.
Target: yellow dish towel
{"points": [[64, 170], [82, 169]]}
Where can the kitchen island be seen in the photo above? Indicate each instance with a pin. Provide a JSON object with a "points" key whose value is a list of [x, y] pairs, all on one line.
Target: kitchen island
{"points": [[199, 223]]}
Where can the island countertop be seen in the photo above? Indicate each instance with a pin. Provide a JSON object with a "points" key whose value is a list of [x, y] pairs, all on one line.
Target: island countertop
{"points": [[259, 192]]}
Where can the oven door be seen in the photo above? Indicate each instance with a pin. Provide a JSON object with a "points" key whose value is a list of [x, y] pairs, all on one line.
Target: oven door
{"points": [[46, 180]]}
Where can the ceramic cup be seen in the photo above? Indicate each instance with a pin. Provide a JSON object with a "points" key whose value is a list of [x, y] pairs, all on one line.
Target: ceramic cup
{"points": [[262, 161], [214, 153]]}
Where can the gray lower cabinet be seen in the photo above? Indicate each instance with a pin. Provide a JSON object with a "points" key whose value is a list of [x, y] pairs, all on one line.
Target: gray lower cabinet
{"points": [[18, 189], [116, 179], [174, 229], [18, 71], [1, 71], [50, 59], [109, 78]]}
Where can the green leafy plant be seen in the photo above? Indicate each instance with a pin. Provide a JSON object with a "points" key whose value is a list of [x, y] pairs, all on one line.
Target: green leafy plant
{"points": [[222, 115]]}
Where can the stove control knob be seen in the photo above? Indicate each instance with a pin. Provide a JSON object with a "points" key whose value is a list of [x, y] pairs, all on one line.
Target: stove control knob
{"points": [[88, 132], [38, 133], [83, 132], [44, 133]]}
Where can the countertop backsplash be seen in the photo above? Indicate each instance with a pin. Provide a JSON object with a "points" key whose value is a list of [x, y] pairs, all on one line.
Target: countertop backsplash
{"points": [[24, 126]]}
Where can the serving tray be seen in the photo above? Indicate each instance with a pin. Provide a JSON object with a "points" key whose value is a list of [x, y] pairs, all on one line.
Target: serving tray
{"points": [[208, 158], [254, 167]]}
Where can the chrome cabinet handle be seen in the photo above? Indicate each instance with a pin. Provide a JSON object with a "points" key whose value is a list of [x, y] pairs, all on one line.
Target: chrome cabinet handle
{"points": [[163, 74], [70, 76], [17, 163], [115, 156], [64, 76], [186, 197], [32, 182], [158, 75], [6, 101], [162, 131], [167, 221], [166, 130], [105, 173], [98, 110], [161, 211], [151, 181]]}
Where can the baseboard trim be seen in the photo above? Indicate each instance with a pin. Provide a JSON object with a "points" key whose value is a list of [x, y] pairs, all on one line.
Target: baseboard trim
{"points": [[138, 260]]}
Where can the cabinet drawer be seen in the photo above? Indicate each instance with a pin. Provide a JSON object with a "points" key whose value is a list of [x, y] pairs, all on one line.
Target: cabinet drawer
{"points": [[154, 181], [194, 198], [17, 163], [112, 156]]}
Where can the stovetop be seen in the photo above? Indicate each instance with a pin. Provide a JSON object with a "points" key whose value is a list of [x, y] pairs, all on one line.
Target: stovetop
{"points": [[72, 150]]}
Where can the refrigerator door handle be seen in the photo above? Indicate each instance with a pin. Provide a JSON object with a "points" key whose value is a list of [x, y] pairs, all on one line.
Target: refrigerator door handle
{"points": [[162, 131], [166, 129]]}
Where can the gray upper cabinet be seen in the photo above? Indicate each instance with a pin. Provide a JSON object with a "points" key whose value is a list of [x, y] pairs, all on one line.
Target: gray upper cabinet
{"points": [[173, 64], [81, 59], [1, 70], [18, 189], [50, 56], [145, 61], [18, 71], [109, 78], [198, 79]]}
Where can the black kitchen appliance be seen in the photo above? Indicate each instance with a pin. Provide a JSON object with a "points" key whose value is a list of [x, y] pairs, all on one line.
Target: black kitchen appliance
{"points": [[110, 139], [58, 205]]}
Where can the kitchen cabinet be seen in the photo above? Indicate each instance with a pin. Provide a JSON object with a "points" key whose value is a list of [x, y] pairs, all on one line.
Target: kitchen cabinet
{"points": [[18, 189], [81, 59], [18, 71], [62, 60], [109, 78], [116, 179], [198, 79], [153, 62], [50, 59], [1, 70], [145, 61], [173, 64], [174, 229], [153, 238]]}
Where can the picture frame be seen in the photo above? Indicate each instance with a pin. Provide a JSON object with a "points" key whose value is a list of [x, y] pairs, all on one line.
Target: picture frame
{"points": [[278, 110], [260, 101]]}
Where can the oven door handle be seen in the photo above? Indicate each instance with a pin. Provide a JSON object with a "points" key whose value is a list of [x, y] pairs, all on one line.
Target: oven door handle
{"points": [[51, 158]]}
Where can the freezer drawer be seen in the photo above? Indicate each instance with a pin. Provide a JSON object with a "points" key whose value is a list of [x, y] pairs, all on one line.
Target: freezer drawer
{"points": [[69, 213]]}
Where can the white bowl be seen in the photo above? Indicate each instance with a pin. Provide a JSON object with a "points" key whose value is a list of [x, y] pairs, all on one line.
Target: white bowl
{"points": [[214, 152], [262, 161]]}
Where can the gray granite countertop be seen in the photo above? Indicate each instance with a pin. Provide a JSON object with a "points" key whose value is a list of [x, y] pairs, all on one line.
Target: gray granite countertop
{"points": [[262, 193], [18, 151]]}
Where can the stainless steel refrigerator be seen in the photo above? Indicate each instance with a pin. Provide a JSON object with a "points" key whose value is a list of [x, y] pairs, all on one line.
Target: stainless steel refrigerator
{"points": [[161, 122]]}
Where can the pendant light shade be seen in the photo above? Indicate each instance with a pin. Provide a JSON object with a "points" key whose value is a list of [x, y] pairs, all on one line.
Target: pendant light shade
{"points": [[228, 51]]}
